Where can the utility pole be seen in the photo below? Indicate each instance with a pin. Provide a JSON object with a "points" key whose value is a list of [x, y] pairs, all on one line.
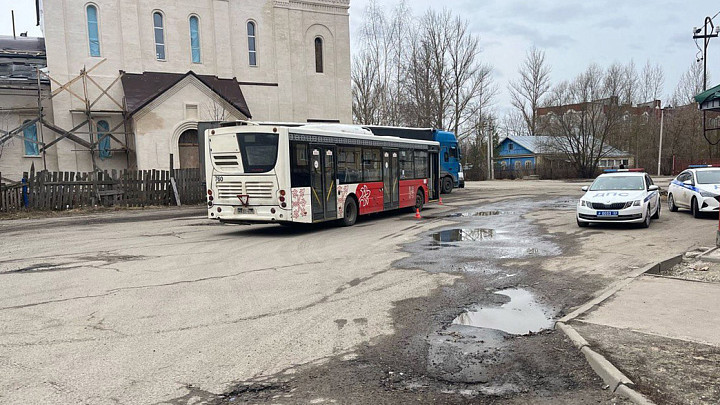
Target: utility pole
{"points": [[662, 121]]}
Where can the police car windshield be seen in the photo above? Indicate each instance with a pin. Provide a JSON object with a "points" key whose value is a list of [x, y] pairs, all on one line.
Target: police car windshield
{"points": [[618, 183], [708, 176]]}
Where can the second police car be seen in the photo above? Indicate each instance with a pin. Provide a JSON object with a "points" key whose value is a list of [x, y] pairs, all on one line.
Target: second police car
{"points": [[697, 189], [620, 196]]}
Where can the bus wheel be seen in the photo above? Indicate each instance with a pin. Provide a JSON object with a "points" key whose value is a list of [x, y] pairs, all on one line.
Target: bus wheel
{"points": [[351, 212], [447, 185], [419, 200]]}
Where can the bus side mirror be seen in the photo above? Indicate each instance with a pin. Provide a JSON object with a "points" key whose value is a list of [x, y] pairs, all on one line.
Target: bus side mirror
{"points": [[585, 188]]}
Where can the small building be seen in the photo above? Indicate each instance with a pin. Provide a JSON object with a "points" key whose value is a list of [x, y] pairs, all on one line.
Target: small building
{"points": [[518, 156]]}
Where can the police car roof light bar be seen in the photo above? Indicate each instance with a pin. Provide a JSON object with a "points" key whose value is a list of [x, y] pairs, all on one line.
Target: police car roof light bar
{"points": [[701, 166], [623, 170]]}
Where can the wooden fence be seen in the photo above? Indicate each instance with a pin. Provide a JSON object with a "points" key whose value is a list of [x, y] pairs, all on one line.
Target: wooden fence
{"points": [[127, 188]]}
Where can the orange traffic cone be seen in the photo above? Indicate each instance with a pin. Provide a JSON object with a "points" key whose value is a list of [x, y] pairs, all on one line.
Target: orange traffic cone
{"points": [[440, 201], [417, 213]]}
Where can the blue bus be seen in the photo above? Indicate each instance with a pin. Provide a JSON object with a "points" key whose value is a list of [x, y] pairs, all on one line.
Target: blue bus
{"points": [[451, 174]]}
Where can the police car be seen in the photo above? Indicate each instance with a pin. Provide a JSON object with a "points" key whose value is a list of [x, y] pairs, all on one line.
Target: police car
{"points": [[620, 196], [697, 189]]}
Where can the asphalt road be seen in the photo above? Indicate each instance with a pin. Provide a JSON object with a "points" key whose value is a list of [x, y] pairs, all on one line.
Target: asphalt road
{"points": [[164, 306]]}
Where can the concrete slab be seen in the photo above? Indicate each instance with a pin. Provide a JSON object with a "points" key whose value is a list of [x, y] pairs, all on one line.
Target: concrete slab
{"points": [[667, 307]]}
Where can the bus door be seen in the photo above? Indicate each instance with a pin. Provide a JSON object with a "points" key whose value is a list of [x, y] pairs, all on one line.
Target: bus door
{"points": [[323, 184], [434, 185], [391, 189]]}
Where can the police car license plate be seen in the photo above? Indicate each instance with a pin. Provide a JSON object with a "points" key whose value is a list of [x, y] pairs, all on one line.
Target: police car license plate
{"points": [[246, 211], [607, 213]]}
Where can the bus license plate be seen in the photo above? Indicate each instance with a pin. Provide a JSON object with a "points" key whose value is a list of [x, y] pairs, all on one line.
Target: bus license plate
{"points": [[246, 211], [607, 213]]}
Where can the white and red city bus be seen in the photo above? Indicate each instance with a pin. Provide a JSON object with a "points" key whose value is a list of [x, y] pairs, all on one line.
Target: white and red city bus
{"points": [[289, 173]]}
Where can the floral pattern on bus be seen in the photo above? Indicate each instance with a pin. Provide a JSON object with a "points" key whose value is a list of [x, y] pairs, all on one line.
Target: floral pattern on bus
{"points": [[343, 192], [364, 197], [299, 204]]}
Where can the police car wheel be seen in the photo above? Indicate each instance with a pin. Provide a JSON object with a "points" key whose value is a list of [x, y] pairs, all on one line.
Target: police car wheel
{"points": [[671, 203], [657, 211], [582, 224], [646, 222], [694, 208]]}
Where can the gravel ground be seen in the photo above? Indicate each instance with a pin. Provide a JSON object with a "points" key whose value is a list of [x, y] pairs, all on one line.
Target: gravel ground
{"points": [[692, 268]]}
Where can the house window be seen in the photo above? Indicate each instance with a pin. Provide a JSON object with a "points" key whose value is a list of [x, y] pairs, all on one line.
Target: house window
{"points": [[518, 165], [503, 165], [528, 165], [195, 39], [30, 135], [252, 45], [511, 146], [93, 30], [159, 29], [103, 130], [319, 55]]}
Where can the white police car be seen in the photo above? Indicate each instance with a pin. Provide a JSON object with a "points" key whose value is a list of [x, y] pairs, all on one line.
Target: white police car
{"points": [[697, 189], [620, 196]]}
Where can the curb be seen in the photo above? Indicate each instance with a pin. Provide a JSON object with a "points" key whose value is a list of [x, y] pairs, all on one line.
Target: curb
{"points": [[618, 382]]}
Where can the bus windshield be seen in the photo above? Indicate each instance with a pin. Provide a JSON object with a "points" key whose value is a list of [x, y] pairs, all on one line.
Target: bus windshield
{"points": [[259, 151]]}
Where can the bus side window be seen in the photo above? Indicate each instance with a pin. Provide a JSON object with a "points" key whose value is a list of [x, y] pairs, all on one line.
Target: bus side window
{"points": [[421, 168], [371, 165], [299, 165], [406, 165], [349, 167]]}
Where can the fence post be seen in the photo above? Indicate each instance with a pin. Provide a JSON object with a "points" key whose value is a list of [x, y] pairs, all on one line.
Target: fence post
{"points": [[26, 200]]}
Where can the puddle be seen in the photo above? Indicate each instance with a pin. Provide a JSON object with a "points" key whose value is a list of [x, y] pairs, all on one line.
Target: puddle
{"points": [[463, 235], [474, 214], [521, 316]]}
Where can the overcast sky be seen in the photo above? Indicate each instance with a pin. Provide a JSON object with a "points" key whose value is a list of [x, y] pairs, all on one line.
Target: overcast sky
{"points": [[574, 33]]}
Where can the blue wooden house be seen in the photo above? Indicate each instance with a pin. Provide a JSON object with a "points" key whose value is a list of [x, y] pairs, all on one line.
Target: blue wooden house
{"points": [[521, 155]]}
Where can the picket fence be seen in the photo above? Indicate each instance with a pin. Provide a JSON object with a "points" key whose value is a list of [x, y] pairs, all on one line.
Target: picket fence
{"points": [[126, 188]]}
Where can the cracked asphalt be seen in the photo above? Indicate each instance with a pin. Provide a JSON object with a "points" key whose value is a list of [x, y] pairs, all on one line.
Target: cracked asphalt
{"points": [[165, 306]]}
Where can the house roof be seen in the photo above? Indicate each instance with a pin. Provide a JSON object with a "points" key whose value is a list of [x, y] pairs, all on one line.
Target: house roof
{"points": [[709, 95], [22, 46], [142, 88], [540, 145]]}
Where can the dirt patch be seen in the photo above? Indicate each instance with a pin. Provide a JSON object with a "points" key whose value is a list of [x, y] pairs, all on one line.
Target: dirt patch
{"points": [[668, 371]]}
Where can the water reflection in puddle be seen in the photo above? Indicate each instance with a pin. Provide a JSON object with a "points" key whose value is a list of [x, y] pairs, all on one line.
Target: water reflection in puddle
{"points": [[463, 235], [520, 316]]}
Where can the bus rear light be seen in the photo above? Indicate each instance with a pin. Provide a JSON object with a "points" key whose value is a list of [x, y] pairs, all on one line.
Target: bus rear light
{"points": [[282, 199], [284, 205], [209, 192], [272, 210], [210, 204], [210, 198], [282, 193], [219, 209]]}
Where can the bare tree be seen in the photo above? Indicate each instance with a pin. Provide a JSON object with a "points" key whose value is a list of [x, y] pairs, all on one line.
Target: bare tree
{"points": [[585, 114], [631, 82], [365, 90], [214, 111], [652, 82], [528, 91]]}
